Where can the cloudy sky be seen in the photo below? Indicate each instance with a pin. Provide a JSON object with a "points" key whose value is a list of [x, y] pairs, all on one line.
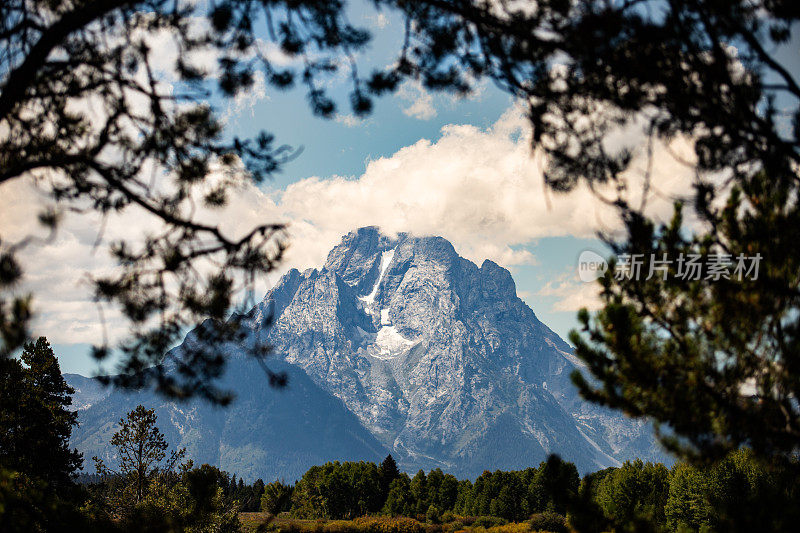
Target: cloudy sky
{"points": [[424, 163]]}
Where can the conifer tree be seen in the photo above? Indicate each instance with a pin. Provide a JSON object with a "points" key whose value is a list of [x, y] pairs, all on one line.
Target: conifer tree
{"points": [[141, 448], [35, 422], [387, 472]]}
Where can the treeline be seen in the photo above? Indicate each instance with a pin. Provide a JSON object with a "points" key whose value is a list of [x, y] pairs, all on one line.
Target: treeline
{"points": [[347, 490], [245, 497], [236, 493], [737, 493]]}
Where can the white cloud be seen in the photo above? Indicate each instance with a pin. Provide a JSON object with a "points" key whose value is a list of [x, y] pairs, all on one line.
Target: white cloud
{"points": [[57, 270], [420, 101], [480, 189], [349, 120], [275, 54], [572, 293]]}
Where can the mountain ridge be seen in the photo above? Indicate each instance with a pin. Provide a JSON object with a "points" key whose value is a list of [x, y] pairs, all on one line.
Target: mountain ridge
{"points": [[438, 359]]}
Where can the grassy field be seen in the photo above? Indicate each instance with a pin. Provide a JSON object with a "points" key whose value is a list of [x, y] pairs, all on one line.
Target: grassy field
{"points": [[546, 522]]}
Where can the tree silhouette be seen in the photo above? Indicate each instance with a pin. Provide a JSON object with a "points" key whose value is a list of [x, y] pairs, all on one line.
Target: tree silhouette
{"points": [[387, 472], [141, 450], [35, 422], [277, 497]]}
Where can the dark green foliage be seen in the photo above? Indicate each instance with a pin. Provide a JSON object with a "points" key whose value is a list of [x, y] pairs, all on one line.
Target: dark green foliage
{"points": [[586, 515], [399, 500], [146, 493], [245, 497], [28, 504], [517, 495], [191, 501], [433, 515], [707, 341], [500, 494], [235, 493], [344, 490], [276, 497], [687, 506], [554, 485], [338, 490], [35, 423], [208, 510], [387, 472], [37, 467], [419, 493], [436, 489], [634, 495], [738, 493], [253, 500]]}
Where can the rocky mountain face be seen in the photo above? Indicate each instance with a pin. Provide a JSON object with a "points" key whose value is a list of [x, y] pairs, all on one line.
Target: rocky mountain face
{"points": [[433, 359]]}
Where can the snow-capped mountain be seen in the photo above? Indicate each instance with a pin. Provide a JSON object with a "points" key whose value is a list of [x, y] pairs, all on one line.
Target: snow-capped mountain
{"points": [[438, 360]]}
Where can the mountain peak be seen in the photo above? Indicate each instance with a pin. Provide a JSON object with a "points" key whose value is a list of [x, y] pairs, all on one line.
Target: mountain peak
{"points": [[498, 279], [423, 354], [435, 355]]}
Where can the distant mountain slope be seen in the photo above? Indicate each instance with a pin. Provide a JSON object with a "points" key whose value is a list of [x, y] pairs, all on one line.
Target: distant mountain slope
{"points": [[422, 352], [265, 433], [88, 391]]}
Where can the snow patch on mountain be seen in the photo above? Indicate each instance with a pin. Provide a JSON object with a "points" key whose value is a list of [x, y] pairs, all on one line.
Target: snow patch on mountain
{"points": [[390, 343], [386, 260]]}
